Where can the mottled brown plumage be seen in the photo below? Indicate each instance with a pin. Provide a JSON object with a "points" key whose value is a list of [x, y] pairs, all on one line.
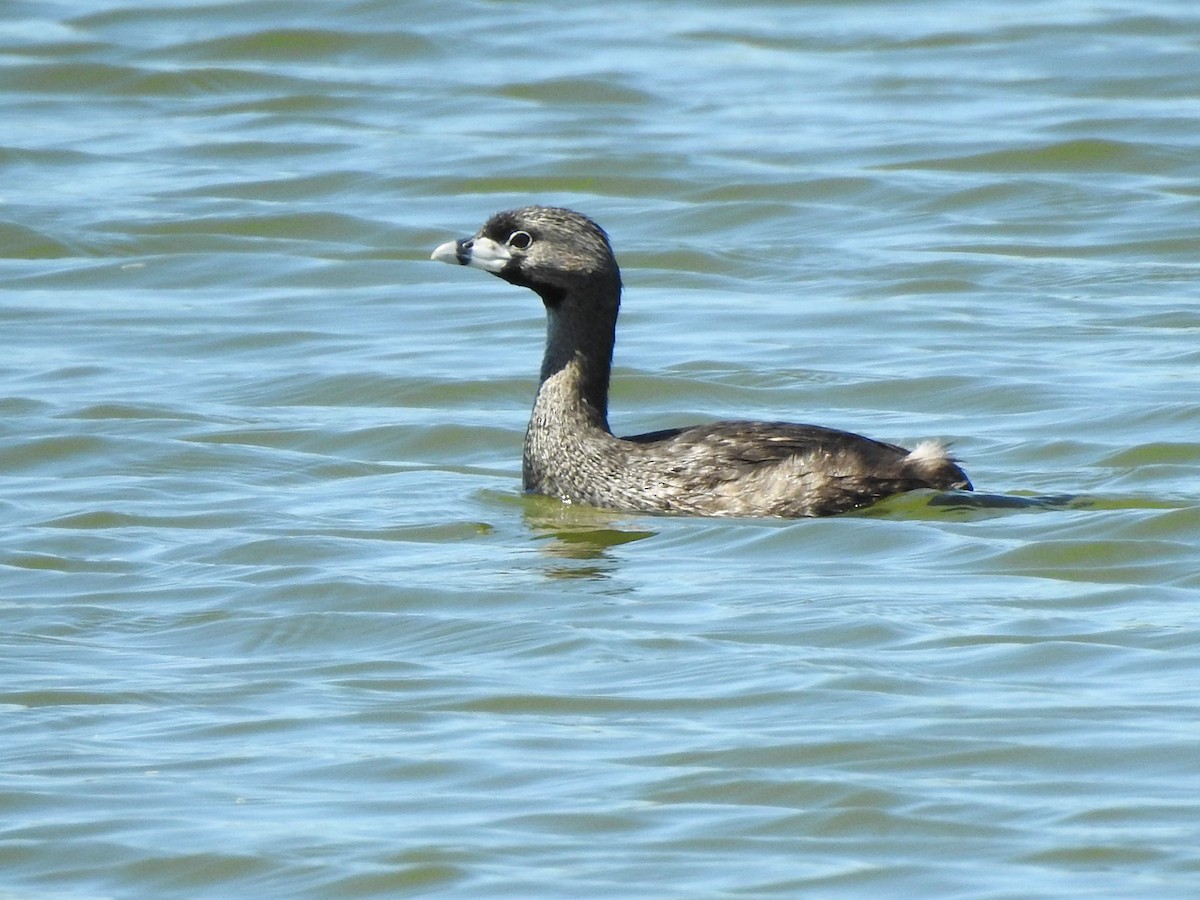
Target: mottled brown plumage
{"points": [[731, 468]]}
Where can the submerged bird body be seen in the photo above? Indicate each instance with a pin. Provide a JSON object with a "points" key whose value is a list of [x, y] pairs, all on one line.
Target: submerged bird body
{"points": [[731, 468]]}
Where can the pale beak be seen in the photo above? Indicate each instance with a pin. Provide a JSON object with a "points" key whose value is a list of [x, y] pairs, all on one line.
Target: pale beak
{"points": [[478, 252]]}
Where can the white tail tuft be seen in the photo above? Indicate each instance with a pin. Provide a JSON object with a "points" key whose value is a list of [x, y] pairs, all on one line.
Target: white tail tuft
{"points": [[929, 452]]}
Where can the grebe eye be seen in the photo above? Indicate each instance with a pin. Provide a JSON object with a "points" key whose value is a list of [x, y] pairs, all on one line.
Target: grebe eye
{"points": [[520, 240]]}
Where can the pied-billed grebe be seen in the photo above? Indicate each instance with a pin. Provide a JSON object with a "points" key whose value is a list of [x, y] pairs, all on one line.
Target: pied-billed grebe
{"points": [[727, 468]]}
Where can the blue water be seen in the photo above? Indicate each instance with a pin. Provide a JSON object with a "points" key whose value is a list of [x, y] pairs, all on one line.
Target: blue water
{"points": [[275, 618]]}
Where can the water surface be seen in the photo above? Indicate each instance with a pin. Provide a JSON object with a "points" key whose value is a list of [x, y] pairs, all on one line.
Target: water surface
{"points": [[276, 618]]}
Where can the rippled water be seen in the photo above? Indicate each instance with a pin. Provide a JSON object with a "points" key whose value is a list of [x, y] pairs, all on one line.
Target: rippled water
{"points": [[275, 617]]}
